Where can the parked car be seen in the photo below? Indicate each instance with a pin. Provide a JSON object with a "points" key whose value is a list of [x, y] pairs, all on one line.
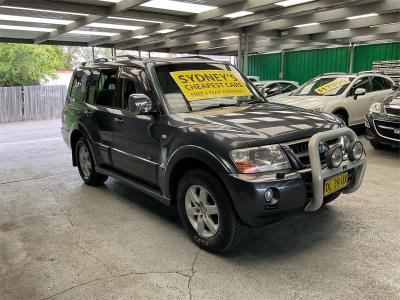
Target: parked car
{"points": [[270, 88], [383, 122], [348, 96], [253, 78], [196, 135]]}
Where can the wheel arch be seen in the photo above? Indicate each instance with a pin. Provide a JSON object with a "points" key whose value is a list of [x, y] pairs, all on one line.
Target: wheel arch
{"points": [[342, 111], [187, 158], [76, 133]]}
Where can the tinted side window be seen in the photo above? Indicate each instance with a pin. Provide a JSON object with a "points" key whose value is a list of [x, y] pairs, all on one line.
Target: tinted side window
{"points": [[287, 87], [106, 87], [133, 81], [363, 83], [93, 81], [273, 89], [79, 86], [380, 83]]}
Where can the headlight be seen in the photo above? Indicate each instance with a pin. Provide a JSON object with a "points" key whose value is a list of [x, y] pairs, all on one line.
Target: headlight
{"points": [[260, 159], [334, 157], [355, 150], [376, 108]]}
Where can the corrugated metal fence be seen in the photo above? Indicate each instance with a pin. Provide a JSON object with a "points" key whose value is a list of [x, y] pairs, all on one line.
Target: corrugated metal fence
{"points": [[306, 64], [31, 102]]}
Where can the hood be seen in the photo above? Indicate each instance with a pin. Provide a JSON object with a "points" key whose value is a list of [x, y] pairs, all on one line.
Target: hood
{"points": [[307, 102], [392, 100], [258, 124]]}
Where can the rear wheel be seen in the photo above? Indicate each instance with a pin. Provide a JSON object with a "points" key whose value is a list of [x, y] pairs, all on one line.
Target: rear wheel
{"points": [[86, 164], [206, 211]]}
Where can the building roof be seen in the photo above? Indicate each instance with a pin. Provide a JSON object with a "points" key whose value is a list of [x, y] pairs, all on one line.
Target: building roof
{"points": [[200, 26]]}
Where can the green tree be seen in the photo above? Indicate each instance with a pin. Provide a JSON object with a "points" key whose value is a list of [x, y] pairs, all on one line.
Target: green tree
{"points": [[22, 64]]}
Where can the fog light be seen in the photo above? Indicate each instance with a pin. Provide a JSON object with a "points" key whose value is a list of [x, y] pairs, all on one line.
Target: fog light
{"points": [[269, 195], [334, 157], [355, 150]]}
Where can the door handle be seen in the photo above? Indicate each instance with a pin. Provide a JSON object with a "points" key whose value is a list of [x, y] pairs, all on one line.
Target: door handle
{"points": [[119, 120]]}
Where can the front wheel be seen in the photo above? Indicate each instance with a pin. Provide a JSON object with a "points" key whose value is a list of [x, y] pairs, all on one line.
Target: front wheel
{"points": [[86, 164], [342, 117], [206, 211]]}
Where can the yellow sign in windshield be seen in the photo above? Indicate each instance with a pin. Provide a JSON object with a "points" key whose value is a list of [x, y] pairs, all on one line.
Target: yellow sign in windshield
{"points": [[204, 84], [338, 82]]}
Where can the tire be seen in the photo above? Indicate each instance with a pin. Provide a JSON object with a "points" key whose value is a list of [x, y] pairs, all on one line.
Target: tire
{"points": [[200, 195], [341, 116], [86, 164]]}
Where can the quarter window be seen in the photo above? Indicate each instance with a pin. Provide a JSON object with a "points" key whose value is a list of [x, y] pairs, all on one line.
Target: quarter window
{"points": [[79, 86]]}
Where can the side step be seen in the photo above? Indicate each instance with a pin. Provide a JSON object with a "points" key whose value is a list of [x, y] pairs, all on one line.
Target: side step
{"points": [[137, 185]]}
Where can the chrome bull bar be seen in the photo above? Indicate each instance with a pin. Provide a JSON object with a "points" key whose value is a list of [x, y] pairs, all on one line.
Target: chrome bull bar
{"points": [[319, 174]]}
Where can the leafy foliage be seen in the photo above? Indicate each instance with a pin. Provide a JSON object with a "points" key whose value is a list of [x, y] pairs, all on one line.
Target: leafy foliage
{"points": [[22, 64]]}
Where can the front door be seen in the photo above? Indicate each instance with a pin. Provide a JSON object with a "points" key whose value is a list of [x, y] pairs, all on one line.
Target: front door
{"points": [[360, 106], [136, 150]]}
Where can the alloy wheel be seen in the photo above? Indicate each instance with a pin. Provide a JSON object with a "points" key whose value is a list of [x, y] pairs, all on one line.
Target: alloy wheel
{"points": [[202, 211]]}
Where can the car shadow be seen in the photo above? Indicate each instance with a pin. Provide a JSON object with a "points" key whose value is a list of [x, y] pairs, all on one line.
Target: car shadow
{"points": [[296, 233], [138, 199]]}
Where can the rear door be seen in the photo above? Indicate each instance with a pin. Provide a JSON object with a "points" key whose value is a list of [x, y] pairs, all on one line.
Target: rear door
{"points": [[381, 87], [100, 109], [136, 150]]}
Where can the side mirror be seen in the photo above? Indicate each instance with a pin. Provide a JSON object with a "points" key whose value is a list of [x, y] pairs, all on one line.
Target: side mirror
{"points": [[264, 91], [396, 86], [359, 92], [139, 104]]}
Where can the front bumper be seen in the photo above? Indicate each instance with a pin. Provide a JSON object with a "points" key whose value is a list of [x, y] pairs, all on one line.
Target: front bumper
{"points": [[296, 190], [383, 137]]}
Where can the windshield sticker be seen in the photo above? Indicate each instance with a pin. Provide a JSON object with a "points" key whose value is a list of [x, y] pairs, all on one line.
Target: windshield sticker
{"points": [[338, 82], [198, 85]]}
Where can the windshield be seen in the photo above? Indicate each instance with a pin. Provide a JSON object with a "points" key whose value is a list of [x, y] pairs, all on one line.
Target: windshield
{"points": [[199, 86], [327, 86]]}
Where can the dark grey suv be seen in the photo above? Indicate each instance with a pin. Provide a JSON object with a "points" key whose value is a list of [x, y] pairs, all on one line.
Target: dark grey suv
{"points": [[196, 135]]}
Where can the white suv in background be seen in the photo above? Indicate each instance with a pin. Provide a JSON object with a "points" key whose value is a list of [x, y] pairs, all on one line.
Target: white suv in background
{"points": [[347, 96]]}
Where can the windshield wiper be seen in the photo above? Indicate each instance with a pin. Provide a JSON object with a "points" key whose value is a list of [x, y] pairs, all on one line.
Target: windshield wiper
{"points": [[254, 101], [218, 106]]}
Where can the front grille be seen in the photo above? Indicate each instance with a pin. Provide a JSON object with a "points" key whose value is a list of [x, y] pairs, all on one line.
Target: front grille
{"points": [[394, 111], [388, 129], [300, 149]]}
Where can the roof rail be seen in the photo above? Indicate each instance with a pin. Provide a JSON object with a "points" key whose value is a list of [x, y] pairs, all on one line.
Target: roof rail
{"points": [[97, 60], [126, 56], [369, 72], [334, 73], [194, 56], [104, 59]]}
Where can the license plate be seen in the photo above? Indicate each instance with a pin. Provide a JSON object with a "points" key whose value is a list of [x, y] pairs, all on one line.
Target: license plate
{"points": [[335, 183]]}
